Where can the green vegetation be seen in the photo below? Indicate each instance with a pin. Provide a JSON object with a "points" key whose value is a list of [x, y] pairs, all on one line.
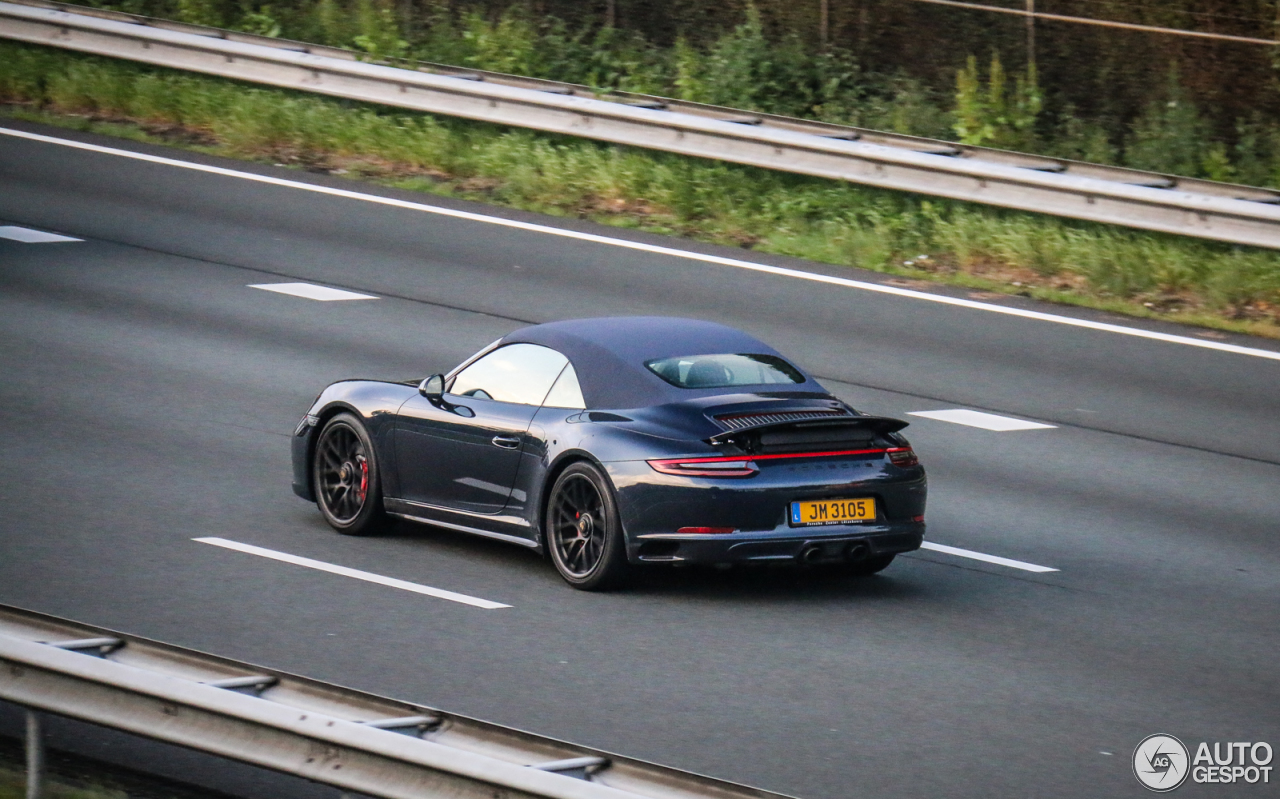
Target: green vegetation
{"points": [[69, 776], [1195, 108], [982, 248], [990, 116], [13, 785]]}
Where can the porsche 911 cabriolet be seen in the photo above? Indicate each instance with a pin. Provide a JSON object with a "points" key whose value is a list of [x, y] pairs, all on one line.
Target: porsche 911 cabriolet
{"points": [[612, 443]]}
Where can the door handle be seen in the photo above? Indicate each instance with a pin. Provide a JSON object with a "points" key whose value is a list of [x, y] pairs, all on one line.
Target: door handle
{"points": [[506, 442]]}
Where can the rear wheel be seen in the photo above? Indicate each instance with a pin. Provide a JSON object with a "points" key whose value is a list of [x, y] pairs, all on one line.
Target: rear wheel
{"points": [[584, 532], [347, 479]]}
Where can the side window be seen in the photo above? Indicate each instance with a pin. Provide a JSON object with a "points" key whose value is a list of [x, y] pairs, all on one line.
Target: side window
{"points": [[517, 373], [566, 393]]}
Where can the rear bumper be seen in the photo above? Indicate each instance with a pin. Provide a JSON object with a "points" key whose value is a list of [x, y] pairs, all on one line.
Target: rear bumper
{"points": [[655, 507], [834, 544]]}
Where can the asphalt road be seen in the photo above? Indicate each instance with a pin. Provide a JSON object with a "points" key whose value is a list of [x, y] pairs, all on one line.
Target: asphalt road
{"points": [[148, 394]]}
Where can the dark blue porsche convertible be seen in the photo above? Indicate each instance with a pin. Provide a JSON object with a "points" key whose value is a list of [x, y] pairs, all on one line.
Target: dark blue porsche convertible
{"points": [[609, 443]]}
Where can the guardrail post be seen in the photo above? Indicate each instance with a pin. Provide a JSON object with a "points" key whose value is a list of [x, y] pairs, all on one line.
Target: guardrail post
{"points": [[35, 756], [1031, 33]]}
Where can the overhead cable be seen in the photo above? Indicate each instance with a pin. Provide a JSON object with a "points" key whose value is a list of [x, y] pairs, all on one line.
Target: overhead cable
{"points": [[1103, 23]]}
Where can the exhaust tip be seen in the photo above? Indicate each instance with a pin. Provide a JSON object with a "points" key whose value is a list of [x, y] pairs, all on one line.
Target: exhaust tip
{"points": [[856, 552], [811, 554]]}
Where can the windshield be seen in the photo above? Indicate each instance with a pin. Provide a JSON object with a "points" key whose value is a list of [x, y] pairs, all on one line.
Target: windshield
{"points": [[722, 371]]}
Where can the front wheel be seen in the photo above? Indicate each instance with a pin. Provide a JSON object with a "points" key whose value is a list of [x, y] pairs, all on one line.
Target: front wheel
{"points": [[584, 532], [347, 479]]}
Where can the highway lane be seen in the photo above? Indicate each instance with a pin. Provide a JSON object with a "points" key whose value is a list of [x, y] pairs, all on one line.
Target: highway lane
{"points": [[149, 394], [1149, 389]]}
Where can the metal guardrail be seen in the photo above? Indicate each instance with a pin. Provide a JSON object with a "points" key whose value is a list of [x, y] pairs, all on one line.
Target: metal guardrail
{"points": [[1150, 201], [337, 736]]}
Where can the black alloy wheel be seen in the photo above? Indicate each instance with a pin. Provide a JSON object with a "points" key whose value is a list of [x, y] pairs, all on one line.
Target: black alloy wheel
{"points": [[347, 482], [584, 533]]}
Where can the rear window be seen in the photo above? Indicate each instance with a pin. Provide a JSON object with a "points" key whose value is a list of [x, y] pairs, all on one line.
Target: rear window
{"points": [[723, 371]]}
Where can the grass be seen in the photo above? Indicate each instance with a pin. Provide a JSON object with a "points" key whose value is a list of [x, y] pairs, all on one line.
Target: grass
{"points": [[69, 776], [988, 250], [760, 56], [13, 785]]}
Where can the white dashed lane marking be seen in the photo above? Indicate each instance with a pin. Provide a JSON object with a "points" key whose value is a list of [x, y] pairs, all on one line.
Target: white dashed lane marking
{"points": [[28, 236], [311, 291], [987, 421], [369, 577], [645, 247], [985, 558]]}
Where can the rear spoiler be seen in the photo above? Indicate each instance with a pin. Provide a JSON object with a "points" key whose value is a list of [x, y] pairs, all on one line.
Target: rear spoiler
{"points": [[879, 424]]}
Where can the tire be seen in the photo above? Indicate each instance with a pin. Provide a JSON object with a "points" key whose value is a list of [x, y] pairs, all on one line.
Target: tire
{"points": [[347, 478], [872, 565], [583, 530]]}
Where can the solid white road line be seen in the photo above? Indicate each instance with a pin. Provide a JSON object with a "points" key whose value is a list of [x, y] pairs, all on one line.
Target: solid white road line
{"points": [[999, 561], [28, 236], [368, 577], [311, 291], [634, 245], [987, 421]]}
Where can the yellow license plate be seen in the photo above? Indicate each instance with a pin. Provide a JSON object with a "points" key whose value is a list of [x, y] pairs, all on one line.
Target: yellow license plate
{"points": [[833, 511]]}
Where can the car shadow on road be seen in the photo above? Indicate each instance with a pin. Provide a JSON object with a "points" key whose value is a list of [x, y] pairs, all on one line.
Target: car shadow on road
{"points": [[772, 583], [907, 578], [785, 579]]}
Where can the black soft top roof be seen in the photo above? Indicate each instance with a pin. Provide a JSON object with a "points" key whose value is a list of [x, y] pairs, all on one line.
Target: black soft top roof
{"points": [[609, 355]]}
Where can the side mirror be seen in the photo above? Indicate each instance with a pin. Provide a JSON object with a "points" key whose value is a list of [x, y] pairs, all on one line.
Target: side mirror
{"points": [[433, 389]]}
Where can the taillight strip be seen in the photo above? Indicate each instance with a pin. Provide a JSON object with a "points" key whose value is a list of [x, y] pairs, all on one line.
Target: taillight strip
{"points": [[828, 454], [704, 467], [906, 461], [688, 466]]}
